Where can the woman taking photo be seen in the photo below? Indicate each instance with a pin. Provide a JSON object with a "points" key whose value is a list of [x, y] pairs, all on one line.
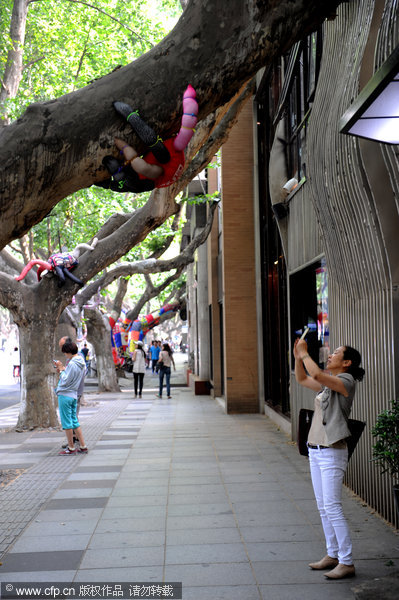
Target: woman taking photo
{"points": [[138, 368], [328, 452], [165, 361]]}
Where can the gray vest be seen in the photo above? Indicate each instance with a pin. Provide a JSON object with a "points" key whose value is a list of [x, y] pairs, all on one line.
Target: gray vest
{"points": [[336, 410]]}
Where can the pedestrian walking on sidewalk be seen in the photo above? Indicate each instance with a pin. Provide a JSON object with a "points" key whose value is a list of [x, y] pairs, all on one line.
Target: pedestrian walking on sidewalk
{"points": [[328, 451], [85, 352], [16, 370], [165, 361], [148, 360], [67, 392], [155, 352], [139, 365]]}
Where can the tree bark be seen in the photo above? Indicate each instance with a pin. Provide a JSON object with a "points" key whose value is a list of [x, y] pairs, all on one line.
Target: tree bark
{"points": [[38, 377], [57, 147], [123, 284], [99, 334]]}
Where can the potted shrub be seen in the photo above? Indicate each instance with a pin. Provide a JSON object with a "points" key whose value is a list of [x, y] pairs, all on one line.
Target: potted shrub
{"points": [[386, 448]]}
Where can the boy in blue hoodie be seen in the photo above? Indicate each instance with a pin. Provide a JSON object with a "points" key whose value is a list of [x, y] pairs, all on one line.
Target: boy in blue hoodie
{"points": [[67, 392]]}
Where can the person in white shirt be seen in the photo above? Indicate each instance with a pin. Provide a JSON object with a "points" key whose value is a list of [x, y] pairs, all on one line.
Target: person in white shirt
{"points": [[328, 451], [139, 364]]}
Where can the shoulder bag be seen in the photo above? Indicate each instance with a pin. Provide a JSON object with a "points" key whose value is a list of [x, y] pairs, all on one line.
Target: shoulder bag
{"points": [[305, 420]]}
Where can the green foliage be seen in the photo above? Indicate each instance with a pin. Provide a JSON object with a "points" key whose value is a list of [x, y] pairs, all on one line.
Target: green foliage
{"points": [[386, 448], [216, 162], [69, 43], [203, 198], [137, 288], [156, 239], [77, 218]]}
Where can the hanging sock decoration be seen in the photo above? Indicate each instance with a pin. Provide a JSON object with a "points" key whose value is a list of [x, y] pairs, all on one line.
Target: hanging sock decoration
{"points": [[164, 160], [189, 119], [60, 264]]}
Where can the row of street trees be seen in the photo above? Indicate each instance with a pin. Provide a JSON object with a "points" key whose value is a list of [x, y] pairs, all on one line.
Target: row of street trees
{"points": [[52, 153]]}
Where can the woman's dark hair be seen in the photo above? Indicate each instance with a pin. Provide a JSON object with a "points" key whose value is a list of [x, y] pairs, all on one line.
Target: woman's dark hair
{"points": [[140, 346], [354, 369], [69, 348], [167, 348]]}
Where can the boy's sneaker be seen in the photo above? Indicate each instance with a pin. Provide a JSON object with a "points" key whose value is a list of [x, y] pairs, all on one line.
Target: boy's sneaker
{"points": [[67, 451], [83, 450]]}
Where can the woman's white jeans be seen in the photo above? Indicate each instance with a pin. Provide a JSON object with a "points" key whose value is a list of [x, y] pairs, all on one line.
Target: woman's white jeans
{"points": [[327, 468]]}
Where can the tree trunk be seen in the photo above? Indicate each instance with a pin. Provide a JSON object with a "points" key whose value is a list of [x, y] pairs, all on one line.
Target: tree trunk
{"points": [[36, 309], [65, 328], [38, 377], [13, 72], [99, 334]]}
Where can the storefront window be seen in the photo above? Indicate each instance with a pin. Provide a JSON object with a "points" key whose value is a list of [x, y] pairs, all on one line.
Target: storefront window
{"points": [[309, 309], [323, 331]]}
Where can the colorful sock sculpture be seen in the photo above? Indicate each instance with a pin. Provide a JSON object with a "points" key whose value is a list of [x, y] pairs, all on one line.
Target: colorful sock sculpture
{"points": [[126, 333], [60, 264], [169, 154]]}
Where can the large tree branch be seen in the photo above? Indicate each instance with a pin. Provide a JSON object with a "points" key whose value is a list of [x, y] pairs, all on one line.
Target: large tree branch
{"points": [[12, 294], [120, 234], [148, 265], [219, 135], [167, 242], [150, 292], [57, 147], [148, 280], [112, 224], [158, 208], [118, 300], [124, 232], [122, 270], [12, 265], [220, 125], [187, 256]]}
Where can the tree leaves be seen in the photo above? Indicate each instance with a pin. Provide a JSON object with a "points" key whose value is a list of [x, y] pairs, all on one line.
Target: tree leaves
{"points": [[386, 448], [69, 43]]}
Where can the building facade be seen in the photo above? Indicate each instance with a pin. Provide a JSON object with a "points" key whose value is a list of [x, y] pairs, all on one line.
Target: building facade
{"points": [[323, 254]]}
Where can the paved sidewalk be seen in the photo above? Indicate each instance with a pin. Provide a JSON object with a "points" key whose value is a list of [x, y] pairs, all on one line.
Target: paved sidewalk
{"points": [[177, 491]]}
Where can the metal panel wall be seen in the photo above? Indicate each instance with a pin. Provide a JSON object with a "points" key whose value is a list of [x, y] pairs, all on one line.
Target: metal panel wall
{"points": [[304, 241], [358, 253]]}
